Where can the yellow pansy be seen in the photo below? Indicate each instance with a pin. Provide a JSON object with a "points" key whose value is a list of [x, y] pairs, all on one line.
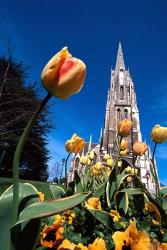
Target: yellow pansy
{"points": [[115, 215], [132, 239], [93, 203], [98, 244]]}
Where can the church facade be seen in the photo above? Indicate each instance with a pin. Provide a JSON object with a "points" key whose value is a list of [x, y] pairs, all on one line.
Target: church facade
{"points": [[121, 104]]}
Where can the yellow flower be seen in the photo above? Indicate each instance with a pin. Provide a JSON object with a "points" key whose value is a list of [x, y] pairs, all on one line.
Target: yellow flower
{"points": [[134, 171], [124, 152], [154, 211], [109, 162], [83, 160], [98, 244], [53, 233], [89, 162], [75, 144], [159, 134], [131, 238], [106, 157], [129, 179], [139, 148], [128, 170], [96, 169], [93, 203], [66, 245], [41, 196], [107, 171], [80, 247], [69, 216], [63, 75], [124, 128], [124, 145], [116, 216], [92, 155], [164, 246]]}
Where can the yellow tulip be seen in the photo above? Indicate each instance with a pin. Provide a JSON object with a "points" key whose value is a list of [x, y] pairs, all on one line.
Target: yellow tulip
{"points": [[75, 144], [83, 160], [139, 148], [129, 179], [63, 75], [98, 244], [149, 206], [124, 145], [128, 170], [159, 134], [106, 157], [92, 155], [124, 152], [124, 128], [109, 162]]}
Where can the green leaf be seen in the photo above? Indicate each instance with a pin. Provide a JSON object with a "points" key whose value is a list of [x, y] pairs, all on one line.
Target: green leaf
{"points": [[163, 192], [100, 190], [133, 191], [57, 191], [102, 216], [78, 184], [122, 201], [27, 195], [48, 208], [86, 177]]}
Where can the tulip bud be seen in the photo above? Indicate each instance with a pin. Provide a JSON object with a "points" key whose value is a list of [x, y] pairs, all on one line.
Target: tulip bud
{"points": [[75, 144], [89, 162], [124, 128], [106, 157], [92, 155], [83, 160], [124, 144], [98, 165], [109, 162], [119, 164], [63, 75], [129, 179], [139, 148], [124, 152], [159, 134], [128, 170]]}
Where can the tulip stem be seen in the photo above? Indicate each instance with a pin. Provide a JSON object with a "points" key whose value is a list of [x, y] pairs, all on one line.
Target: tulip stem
{"points": [[155, 172], [66, 182], [116, 162], [17, 156]]}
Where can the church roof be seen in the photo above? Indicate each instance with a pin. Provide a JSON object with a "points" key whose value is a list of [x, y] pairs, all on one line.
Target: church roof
{"points": [[120, 59]]}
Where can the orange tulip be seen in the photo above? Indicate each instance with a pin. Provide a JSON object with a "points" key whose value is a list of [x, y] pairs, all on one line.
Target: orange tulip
{"points": [[63, 75], [75, 144], [139, 148], [124, 128]]}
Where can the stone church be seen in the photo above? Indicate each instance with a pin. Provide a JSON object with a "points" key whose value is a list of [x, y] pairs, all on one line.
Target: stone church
{"points": [[121, 103]]}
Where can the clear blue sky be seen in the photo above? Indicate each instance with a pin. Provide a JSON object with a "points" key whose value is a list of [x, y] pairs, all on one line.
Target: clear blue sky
{"points": [[92, 30]]}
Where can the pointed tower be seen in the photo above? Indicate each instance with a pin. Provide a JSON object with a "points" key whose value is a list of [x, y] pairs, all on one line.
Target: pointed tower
{"points": [[121, 104]]}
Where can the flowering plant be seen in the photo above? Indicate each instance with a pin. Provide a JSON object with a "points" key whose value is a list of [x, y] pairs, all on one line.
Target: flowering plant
{"points": [[106, 207]]}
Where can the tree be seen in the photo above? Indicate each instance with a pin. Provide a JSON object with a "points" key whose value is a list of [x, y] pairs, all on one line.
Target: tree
{"points": [[18, 102]]}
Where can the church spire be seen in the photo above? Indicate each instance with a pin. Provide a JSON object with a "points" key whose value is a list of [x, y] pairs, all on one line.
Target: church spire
{"points": [[120, 59]]}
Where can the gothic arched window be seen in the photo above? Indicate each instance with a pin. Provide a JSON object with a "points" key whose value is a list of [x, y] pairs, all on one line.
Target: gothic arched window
{"points": [[76, 163], [121, 93], [118, 114], [126, 113]]}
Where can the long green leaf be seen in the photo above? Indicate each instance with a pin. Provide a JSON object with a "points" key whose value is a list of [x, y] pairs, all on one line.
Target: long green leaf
{"points": [[100, 191], [48, 208], [102, 216], [122, 201], [57, 191], [27, 195]]}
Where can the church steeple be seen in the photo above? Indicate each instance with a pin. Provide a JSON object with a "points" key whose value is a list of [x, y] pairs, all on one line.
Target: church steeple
{"points": [[120, 59]]}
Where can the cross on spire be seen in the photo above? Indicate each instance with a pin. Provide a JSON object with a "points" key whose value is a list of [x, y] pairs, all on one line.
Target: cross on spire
{"points": [[120, 59]]}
